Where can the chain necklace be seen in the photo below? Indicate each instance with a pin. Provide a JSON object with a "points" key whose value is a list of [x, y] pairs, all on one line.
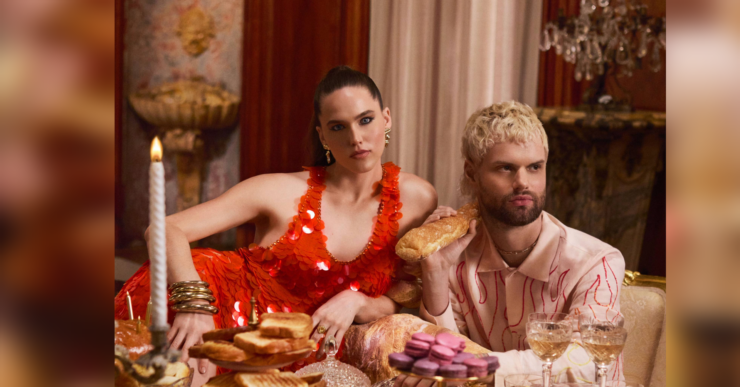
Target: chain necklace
{"points": [[520, 251]]}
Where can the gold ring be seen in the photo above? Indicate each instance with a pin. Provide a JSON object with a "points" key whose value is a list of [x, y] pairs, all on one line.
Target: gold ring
{"points": [[321, 329]]}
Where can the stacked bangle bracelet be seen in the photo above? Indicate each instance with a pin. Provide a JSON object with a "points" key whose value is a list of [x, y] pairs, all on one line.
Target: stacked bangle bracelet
{"points": [[184, 292]]}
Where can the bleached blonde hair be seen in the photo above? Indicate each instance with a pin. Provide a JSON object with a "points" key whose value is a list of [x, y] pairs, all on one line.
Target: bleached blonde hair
{"points": [[510, 121]]}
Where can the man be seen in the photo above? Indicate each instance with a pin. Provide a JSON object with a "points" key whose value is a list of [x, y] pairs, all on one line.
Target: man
{"points": [[519, 259]]}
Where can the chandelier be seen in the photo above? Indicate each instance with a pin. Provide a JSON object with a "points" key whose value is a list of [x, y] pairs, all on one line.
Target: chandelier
{"points": [[607, 34]]}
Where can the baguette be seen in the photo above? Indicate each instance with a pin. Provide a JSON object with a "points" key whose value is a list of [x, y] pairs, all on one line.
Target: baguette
{"points": [[423, 241], [286, 325]]}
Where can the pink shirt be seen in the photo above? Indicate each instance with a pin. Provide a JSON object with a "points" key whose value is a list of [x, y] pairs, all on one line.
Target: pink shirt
{"points": [[567, 271]]}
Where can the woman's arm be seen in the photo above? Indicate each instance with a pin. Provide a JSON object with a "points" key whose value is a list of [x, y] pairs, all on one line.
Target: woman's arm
{"points": [[242, 203]]}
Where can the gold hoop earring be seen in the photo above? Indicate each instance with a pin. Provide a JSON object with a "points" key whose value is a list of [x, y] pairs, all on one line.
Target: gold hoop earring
{"points": [[328, 154], [387, 136]]}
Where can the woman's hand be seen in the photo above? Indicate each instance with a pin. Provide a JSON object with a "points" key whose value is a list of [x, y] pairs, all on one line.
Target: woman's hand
{"points": [[187, 330], [336, 315]]}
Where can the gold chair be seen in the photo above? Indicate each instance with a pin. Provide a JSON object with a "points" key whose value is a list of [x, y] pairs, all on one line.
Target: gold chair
{"points": [[643, 305]]}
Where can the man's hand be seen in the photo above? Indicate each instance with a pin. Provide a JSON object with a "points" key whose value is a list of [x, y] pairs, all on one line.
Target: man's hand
{"points": [[435, 268]]}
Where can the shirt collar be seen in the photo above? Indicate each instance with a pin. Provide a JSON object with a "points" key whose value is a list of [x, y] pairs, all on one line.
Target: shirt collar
{"points": [[484, 255]]}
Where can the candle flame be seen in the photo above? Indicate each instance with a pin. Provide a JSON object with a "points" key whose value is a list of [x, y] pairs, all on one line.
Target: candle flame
{"points": [[156, 151]]}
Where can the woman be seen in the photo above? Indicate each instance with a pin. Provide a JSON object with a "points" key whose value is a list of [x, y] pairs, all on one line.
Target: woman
{"points": [[352, 205]]}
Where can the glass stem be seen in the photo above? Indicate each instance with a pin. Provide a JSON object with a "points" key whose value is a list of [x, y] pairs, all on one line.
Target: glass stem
{"points": [[602, 375], [546, 371]]}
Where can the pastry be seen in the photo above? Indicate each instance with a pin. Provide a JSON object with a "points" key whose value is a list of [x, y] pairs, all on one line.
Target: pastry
{"points": [[476, 367], [225, 334], [421, 336], [457, 371], [417, 349], [134, 336], [196, 351], [461, 357], [255, 342], [423, 241], [441, 355], [493, 363], [449, 341], [425, 367], [278, 358], [400, 360], [286, 325]]}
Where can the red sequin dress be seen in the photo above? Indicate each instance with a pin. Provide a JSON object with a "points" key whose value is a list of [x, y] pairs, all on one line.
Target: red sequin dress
{"points": [[296, 273]]}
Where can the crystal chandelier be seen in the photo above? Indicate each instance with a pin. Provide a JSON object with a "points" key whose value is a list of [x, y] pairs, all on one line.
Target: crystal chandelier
{"points": [[607, 34]]}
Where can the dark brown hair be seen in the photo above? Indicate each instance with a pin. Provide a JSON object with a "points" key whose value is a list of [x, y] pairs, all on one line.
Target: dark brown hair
{"points": [[337, 78]]}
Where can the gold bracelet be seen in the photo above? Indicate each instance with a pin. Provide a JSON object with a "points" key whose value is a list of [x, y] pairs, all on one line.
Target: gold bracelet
{"points": [[195, 308], [185, 283], [185, 297], [188, 289]]}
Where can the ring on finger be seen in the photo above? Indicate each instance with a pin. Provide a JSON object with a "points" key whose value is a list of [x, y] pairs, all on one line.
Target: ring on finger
{"points": [[321, 329]]}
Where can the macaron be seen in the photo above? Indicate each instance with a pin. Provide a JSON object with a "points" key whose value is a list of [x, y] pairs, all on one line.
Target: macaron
{"points": [[441, 355], [421, 336], [493, 363], [449, 341], [400, 360], [461, 357], [425, 367], [457, 371], [462, 346], [476, 367], [417, 349]]}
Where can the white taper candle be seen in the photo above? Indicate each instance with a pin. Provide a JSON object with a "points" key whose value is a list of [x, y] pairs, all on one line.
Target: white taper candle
{"points": [[157, 238]]}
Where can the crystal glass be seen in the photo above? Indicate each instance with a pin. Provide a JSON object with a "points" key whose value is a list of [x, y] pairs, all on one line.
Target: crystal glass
{"points": [[548, 336], [335, 372], [603, 337]]}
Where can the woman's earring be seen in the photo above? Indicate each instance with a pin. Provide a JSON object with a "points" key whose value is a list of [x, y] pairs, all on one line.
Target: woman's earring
{"points": [[328, 154], [387, 136]]}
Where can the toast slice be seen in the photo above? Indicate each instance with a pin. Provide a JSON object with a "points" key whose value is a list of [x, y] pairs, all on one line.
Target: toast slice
{"points": [[254, 342], [226, 334], [320, 383], [223, 380], [278, 358], [196, 351], [224, 350], [283, 379], [286, 325]]}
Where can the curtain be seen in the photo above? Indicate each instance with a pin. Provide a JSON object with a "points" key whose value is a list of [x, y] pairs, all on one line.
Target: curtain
{"points": [[436, 62]]}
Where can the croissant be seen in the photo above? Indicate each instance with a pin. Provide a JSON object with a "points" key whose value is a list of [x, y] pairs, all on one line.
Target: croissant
{"points": [[429, 238]]}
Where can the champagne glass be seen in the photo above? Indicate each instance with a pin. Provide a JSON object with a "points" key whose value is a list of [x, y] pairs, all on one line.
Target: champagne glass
{"points": [[603, 340], [549, 335]]}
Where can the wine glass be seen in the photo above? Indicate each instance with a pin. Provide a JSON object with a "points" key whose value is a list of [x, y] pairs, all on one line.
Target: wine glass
{"points": [[603, 340], [549, 335]]}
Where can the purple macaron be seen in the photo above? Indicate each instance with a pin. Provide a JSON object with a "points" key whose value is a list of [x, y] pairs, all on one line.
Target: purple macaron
{"points": [[476, 367], [425, 367], [401, 361], [421, 336], [461, 357], [417, 349], [449, 341], [457, 371], [441, 355], [493, 363]]}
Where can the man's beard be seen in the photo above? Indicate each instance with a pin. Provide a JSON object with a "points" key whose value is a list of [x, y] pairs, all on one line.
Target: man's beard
{"points": [[497, 208]]}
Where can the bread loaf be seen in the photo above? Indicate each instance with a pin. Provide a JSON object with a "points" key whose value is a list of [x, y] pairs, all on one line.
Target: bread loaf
{"points": [[423, 241], [226, 334], [223, 350]]}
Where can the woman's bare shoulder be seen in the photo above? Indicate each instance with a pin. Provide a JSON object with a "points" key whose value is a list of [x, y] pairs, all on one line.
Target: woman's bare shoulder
{"points": [[273, 185], [416, 192]]}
